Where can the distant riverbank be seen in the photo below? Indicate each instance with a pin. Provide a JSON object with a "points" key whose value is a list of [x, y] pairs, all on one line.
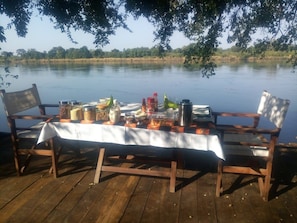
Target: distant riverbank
{"points": [[151, 60]]}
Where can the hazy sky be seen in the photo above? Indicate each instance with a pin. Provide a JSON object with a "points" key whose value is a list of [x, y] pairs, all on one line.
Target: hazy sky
{"points": [[42, 36]]}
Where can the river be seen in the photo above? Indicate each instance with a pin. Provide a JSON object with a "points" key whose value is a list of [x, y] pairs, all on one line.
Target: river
{"points": [[233, 88]]}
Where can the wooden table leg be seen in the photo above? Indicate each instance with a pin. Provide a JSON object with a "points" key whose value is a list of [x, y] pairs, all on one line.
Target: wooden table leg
{"points": [[172, 176], [99, 165]]}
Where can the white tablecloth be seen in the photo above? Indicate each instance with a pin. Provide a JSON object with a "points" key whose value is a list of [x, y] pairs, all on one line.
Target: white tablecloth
{"points": [[131, 136]]}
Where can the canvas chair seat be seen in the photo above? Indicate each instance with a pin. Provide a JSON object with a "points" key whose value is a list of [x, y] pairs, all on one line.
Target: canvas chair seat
{"points": [[252, 149], [252, 142], [32, 133], [19, 106]]}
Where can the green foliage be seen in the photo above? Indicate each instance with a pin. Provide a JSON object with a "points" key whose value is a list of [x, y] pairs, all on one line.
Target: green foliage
{"points": [[204, 22]]}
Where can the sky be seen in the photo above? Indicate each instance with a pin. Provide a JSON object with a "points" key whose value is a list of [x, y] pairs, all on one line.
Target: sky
{"points": [[42, 36]]}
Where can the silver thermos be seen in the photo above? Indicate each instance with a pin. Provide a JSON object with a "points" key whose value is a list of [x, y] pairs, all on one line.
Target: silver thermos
{"points": [[185, 113]]}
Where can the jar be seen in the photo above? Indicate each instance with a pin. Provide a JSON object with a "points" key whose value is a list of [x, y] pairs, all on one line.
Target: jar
{"points": [[102, 114], [115, 113], [64, 109], [89, 113]]}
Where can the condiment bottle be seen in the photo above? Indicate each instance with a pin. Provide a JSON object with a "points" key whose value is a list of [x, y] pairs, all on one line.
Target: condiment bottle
{"points": [[150, 107], [115, 112], [155, 96], [143, 106]]}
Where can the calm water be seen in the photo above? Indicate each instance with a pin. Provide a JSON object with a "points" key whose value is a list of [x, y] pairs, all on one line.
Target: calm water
{"points": [[233, 88]]}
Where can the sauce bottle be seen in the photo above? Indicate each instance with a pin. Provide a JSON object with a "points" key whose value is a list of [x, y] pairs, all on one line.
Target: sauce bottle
{"points": [[155, 96], [143, 106]]}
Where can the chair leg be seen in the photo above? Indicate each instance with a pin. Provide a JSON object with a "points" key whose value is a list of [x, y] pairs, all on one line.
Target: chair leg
{"points": [[261, 185], [26, 164], [266, 188], [16, 156], [17, 164], [219, 187]]}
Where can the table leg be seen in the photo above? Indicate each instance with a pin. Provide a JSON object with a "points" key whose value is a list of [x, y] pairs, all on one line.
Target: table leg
{"points": [[99, 165], [172, 176]]}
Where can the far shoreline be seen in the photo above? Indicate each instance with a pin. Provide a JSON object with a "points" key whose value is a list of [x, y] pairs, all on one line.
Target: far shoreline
{"points": [[150, 60]]}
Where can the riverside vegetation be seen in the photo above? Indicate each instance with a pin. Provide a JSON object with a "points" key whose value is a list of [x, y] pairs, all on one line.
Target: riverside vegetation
{"points": [[141, 54]]}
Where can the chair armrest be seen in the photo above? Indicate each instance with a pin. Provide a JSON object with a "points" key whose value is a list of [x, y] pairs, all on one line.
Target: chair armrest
{"points": [[32, 117], [243, 129], [42, 107], [254, 116], [50, 105], [236, 114]]}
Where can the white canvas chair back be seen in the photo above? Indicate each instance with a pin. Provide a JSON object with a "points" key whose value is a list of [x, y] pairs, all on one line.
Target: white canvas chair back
{"points": [[15, 102], [273, 108]]}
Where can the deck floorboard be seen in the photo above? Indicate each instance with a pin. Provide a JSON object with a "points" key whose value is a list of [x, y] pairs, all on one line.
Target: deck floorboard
{"points": [[72, 197]]}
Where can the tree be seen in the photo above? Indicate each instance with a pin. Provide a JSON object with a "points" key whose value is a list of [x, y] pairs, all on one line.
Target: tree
{"points": [[202, 21], [21, 52], [56, 53]]}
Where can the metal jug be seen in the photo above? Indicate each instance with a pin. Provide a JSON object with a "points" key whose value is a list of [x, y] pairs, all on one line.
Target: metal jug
{"points": [[185, 113]]}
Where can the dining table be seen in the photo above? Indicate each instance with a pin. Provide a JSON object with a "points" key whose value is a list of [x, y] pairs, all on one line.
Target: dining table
{"points": [[200, 137]]}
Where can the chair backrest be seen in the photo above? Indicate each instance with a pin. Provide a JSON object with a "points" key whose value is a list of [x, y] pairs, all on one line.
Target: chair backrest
{"points": [[15, 102], [273, 108]]}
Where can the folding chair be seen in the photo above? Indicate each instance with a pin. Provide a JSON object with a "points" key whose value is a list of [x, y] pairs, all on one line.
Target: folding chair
{"points": [[254, 144], [25, 128]]}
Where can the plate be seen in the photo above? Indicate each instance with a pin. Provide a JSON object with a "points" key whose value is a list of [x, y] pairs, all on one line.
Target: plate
{"points": [[201, 110], [130, 107]]}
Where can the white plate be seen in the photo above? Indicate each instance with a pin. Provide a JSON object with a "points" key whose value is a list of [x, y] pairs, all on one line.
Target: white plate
{"points": [[130, 107], [201, 110]]}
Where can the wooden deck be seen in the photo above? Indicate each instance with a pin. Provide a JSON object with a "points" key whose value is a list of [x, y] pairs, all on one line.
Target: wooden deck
{"points": [[38, 197]]}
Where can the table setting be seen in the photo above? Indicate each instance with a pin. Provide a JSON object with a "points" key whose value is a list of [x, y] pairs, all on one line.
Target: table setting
{"points": [[166, 125]]}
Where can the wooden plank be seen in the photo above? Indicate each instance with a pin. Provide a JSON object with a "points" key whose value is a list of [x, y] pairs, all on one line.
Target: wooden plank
{"points": [[188, 202], [161, 206], [224, 204], [206, 205], [42, 200], [287, 199], [11, 187], [18, 206], [247, 199], [90, 197], [44, 209], [109, 204], [114, 211], [78, 197], [137, 203]]}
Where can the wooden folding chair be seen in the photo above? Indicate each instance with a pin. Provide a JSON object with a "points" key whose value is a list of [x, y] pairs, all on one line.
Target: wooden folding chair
{"points": [[248, 149], [25, 128]]}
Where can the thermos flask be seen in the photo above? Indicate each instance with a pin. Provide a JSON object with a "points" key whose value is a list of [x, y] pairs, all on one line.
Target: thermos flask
{"points": [[185, 113]]}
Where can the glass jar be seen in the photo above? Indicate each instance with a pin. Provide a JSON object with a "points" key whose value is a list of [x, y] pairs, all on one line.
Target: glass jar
{"points": [[64, 109], [76, 111], [89, 113], [115, 113]]}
